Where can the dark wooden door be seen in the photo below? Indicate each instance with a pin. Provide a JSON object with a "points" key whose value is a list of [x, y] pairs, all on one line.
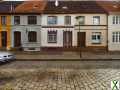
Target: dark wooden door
{"points": [[17, 39], [4, 38], [67, 38], [81, 39]]}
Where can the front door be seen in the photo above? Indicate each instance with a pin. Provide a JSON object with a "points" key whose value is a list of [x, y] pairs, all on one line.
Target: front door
{"points": [[81, 39], [17, 39], [67, 39], [3, 38]]}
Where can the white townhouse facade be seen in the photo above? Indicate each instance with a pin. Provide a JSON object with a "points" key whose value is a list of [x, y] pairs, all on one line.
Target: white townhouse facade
{"points": [[26, 32], [57, 31], [69, 27], [113, 9], [26, 26], [114, 31], [38, 26]]}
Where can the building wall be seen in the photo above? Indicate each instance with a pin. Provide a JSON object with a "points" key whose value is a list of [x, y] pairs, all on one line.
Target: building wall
{"points": [[89, 28], [24, 28], [6, 28], [89, 18], [60, 20], [113, 28], [60, 30]]}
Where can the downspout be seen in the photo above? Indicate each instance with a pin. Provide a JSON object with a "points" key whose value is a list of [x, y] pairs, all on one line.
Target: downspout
{"points": [[107, 33]]}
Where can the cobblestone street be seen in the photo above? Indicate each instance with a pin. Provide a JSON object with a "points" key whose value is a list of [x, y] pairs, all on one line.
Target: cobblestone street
{"points": [[59, 75]]}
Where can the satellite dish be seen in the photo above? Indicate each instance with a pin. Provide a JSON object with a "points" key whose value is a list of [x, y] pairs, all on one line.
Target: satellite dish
{"points": [[56, 3]]}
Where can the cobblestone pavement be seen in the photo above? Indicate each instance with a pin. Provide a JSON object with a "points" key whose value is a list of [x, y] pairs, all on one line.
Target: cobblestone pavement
{"points": [[59, 75]]}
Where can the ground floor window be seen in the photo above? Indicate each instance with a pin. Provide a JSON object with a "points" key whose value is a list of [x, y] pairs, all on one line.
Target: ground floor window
{"points": [[116, 37], [52, 36], [96, 37], [32, 36]]}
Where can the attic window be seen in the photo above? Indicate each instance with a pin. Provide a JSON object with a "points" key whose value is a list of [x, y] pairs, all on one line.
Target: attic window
{"points": [[35, 6], [115, 6], [65, 7]]}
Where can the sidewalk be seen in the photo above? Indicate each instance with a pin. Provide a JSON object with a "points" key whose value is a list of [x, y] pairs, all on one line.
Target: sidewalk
{"points": [[67, 56]]}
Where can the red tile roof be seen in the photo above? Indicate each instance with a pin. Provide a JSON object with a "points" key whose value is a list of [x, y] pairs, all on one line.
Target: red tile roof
{"points": [[73, 7], [110, 6], [31, 7], [64, 7]]}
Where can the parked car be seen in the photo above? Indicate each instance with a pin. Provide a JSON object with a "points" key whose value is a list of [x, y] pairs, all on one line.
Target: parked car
{"points": [[6, 56]]}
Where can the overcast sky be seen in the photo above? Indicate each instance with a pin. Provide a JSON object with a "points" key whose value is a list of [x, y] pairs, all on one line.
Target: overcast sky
{"points": [[65, 0]]}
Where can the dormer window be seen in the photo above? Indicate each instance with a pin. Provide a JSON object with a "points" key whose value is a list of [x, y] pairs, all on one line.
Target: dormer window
{"points": [[65, 7], [35, 6], [115, 6]]}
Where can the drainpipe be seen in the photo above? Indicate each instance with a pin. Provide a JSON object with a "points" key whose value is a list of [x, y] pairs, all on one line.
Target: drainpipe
{"points": [[107, 34]]}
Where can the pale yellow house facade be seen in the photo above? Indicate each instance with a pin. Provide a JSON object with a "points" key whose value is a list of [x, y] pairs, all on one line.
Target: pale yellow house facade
{"points": [[94, 26]]}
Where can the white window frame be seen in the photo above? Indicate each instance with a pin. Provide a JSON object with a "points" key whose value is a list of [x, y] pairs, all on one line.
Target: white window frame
{"points": [[116, 37], [52, 37], [96, 20], [82, 20], [116, 19], [96, 37], [3, 20], [16, 20], [67, 20], [52, 21]]}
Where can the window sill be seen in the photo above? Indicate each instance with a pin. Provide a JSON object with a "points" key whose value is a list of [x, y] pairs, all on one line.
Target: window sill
{"points": [[32, 24], [52, 42], [96, 43]]}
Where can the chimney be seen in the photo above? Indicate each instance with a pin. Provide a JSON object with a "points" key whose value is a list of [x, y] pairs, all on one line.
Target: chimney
{"points": [[56, 3]]}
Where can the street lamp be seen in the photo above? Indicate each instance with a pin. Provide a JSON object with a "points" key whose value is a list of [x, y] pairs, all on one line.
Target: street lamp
{"points": [[80, 50]]}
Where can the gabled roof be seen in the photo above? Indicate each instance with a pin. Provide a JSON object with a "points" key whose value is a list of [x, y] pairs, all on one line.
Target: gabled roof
{"points": [[110, 6], [73, 7], [8, 6], [64, 7], [31, 7]]}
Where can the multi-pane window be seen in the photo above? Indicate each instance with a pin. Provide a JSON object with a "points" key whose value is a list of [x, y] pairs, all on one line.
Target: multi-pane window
{"points": [[52, 36], [116, 37], [32, 36], [96, 20], [32, 20], [116, 19], [16, 20], [67, 20], [3, 20], [81, 19], [96, 37], [52, 20]]}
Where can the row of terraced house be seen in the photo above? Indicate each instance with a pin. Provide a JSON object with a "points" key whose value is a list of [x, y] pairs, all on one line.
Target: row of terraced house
{"points": [[62, 25]]}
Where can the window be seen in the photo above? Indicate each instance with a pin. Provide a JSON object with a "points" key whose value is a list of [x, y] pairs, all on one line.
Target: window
{"points": [[16, 20], [116, 37], [3, 20], [81, 19], [67, 20], [52, 20], [96, 37], [32, 36], [96, 20], [52, 36], [32, 20], [116, 20]]}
